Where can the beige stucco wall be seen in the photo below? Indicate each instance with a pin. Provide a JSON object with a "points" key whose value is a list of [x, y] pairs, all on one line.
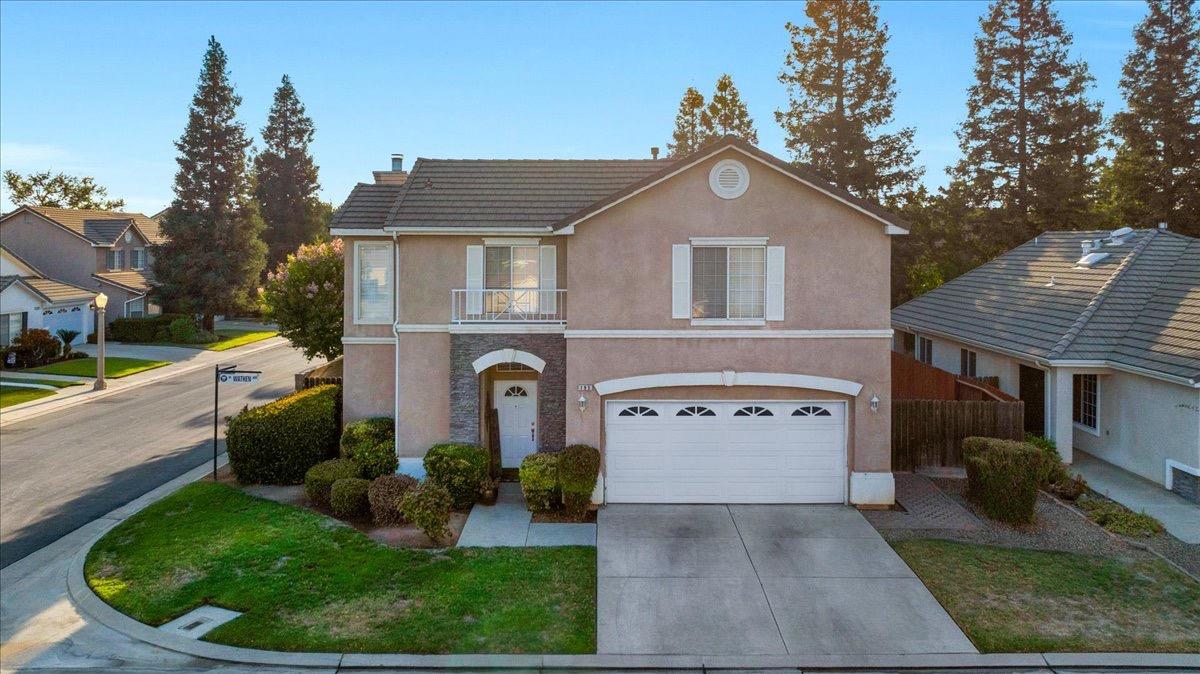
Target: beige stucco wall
{"points": [[56, 252]]}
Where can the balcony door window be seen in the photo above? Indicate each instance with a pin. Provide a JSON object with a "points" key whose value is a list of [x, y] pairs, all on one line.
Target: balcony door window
{"points": [[516, 270]]}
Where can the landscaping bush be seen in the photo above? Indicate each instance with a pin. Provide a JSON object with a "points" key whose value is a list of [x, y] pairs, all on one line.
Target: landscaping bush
{"points": [[578, 466], [348, 497], [145, 329], [371, 444], [539, 481], [66, 337], [318, 481], [184, 330], [34, 347], [384, 496], [461, 469], [278, 442], [1119, 519], [1051, 470], [1069, 489], [1002, 478], [427, 506]]}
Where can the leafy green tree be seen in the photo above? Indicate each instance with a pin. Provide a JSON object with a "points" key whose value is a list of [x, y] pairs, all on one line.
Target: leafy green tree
{"points": [[1154, 175], [726, 114], [841, 93], [58, 190], [304, 297], [213, 255], [689, 131], [1030, 138], [286, 177]]}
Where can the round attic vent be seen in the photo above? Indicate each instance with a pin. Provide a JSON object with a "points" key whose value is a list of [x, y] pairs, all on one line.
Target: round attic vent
{"points": [[729, 179]]}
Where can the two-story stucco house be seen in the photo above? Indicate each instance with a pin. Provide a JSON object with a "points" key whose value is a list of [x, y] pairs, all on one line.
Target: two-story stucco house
{"points": [[105, 250], [717, 325]]}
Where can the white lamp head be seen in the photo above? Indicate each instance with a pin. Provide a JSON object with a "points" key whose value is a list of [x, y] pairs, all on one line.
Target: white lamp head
{"points": [[101, 300], [874, 403], [583, 402]]}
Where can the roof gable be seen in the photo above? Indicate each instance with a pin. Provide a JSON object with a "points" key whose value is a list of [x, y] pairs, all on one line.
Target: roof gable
{"points": [[100, 228]]}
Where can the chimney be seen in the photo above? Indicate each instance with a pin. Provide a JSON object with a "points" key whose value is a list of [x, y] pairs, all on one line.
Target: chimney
{"points": [[1162, 225], [396, 176], [654, 153]]}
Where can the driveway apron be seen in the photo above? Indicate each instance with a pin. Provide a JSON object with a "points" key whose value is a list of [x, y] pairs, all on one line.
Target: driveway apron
{"points": [[728, 580]]}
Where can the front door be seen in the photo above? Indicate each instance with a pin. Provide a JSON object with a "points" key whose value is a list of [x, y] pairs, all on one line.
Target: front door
{"points": [[516, 404], [1033, 394]]}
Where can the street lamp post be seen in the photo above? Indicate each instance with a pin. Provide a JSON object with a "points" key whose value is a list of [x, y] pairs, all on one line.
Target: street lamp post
{"points": [[101, 302]]}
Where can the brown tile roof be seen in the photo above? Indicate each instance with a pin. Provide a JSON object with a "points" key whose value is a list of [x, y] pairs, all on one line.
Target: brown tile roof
{"points": [[1138, 307], [101, 227], [57, 291], [137, 281], [366, 207]]}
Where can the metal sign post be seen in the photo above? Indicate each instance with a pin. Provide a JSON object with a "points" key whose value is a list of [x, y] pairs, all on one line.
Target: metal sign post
{"points": [[227, 375]]}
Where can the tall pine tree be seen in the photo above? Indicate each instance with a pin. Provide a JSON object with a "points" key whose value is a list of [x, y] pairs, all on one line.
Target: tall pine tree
{"points": [[285, 185], [689, 131], [213, 256], [1030, 138], [726, 114], [1155, 172], [840, 95]]}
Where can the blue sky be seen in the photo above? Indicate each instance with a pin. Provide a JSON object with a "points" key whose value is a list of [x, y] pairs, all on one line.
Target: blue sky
{"points": [[102, 88]]}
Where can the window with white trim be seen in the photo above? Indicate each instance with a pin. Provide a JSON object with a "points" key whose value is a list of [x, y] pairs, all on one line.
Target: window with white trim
{"points": [[729, 282], [136, 308], [372, 282], [137, 258], [925, 350], [1086, 400], [11, 325], [968, 363], [114, 259], [515, 268]]}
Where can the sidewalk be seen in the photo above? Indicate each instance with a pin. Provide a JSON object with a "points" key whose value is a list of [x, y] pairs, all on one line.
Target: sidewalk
{"points": [[183, 360], [1180, 518]]}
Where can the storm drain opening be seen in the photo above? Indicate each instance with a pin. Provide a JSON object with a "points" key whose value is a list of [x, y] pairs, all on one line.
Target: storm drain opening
{"points": [[200, 621]]}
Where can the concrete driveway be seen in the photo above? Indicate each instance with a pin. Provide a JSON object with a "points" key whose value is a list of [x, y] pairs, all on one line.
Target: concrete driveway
{"points": [[714, 579]]}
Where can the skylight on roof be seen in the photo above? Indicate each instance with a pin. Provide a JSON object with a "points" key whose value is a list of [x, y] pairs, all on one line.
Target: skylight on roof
{"points": [[1090, 259]]}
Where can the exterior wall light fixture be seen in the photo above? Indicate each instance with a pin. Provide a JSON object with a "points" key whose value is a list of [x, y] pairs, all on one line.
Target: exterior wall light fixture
{"points": [[874, 403]]}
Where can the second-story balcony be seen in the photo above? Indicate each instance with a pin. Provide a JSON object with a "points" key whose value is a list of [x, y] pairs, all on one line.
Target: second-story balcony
{"points": [[508, 305]]}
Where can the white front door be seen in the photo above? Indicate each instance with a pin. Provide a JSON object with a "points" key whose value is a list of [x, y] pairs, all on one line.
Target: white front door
{"points": [[516, 402]]}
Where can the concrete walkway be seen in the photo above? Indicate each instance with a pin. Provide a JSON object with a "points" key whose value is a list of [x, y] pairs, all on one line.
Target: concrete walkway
{"points": [[509, 524], [759, 580], [1181, 518]]}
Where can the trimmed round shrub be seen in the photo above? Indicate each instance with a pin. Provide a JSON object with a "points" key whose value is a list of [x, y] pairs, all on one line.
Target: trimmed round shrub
{"points": [[348, 497], [1051, 470], [278, 442], [539, 481], [318, 481], [371, 444], [1002, 480], [461, 469], [578, 466], [427, 506], [384, 496]]}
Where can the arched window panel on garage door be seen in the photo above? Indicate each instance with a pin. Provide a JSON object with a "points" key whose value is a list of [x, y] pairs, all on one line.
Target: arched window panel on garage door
{"points": [[638, 411], [696, 411], [811, 411], [753, 411]]}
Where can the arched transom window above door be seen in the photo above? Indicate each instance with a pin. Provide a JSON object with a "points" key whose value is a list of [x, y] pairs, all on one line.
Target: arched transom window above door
{"points": [[515, 392]]}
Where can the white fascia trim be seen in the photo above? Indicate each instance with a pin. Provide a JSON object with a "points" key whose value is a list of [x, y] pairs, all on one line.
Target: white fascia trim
{"points": [[728, 240], [1151, 374], [729, 334], [342, 231], [491, 241], [508, 356], [470, 231], [504, 328], [1172, 463], [728, 378]]}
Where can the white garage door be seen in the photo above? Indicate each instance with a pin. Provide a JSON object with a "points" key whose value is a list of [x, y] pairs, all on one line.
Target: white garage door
{"points": [[725, 452]]}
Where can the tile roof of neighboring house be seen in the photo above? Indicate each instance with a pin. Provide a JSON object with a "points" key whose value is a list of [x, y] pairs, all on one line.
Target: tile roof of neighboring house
{"points": [[101, 227], [550, 193], [57, 291], [1139, 307], [137, 281]]}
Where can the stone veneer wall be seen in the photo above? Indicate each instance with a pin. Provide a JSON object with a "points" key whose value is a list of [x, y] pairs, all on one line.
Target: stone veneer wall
{"points": [[552, 383]]}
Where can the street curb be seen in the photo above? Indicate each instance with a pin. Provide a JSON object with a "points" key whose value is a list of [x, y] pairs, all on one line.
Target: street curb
{"points": [[87, 396]]}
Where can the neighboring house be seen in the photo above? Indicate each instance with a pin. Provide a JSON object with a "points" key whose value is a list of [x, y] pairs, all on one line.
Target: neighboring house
{"points": [[29, 299], [1099, 334], [717, 325], [103, 250]]}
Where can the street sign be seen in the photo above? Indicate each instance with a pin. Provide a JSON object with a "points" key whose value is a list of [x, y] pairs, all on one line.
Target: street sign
{"points": [[227, 375], [239, 377]]}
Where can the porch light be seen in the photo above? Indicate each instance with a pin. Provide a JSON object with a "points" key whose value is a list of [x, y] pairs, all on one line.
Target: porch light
{"points": [[583, 402], [874, 403]]}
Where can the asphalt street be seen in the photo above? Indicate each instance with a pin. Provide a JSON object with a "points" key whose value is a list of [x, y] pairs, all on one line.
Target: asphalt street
{"points": [[64, 469]]}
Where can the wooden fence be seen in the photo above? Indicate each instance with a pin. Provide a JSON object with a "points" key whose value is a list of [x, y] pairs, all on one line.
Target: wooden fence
{"points": [[930, 432], [914, 380]]}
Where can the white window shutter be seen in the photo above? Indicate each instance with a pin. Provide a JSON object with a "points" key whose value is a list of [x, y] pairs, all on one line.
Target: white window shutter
{"points": [[681, 281], [775, 268], [474, 279], [548, 266]]}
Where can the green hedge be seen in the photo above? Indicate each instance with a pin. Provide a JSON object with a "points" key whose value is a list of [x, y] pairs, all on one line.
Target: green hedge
{"points": [[539, 481], [461, 469], [319, 480], [1002, 477], [348, 497], [371, 443], [147, 329], [578, 466], [278, 442]]}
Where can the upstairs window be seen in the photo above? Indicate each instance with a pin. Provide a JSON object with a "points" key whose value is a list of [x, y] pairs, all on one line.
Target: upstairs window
{"points": [[137, 258], [729, 282], [372, 282], [114, 259]]}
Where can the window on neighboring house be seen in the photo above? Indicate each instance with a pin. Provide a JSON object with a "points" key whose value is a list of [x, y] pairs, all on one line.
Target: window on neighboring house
{"points": [[907, 343], [925, 350], [967, 363], [136, 308], [137, 258], [515, 268], [115, 259], [729, 282], [11, 325], [1085, 401], [373, 282]]}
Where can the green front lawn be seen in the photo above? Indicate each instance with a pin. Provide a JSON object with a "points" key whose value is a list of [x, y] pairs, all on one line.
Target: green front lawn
{"points": [[231, 339], [1012, 600], [309, 583], [15, 395], [114, 367], [56, 383]]}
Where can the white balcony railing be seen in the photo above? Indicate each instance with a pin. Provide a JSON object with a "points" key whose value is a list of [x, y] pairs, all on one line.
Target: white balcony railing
{"points": [[508, 305]]}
